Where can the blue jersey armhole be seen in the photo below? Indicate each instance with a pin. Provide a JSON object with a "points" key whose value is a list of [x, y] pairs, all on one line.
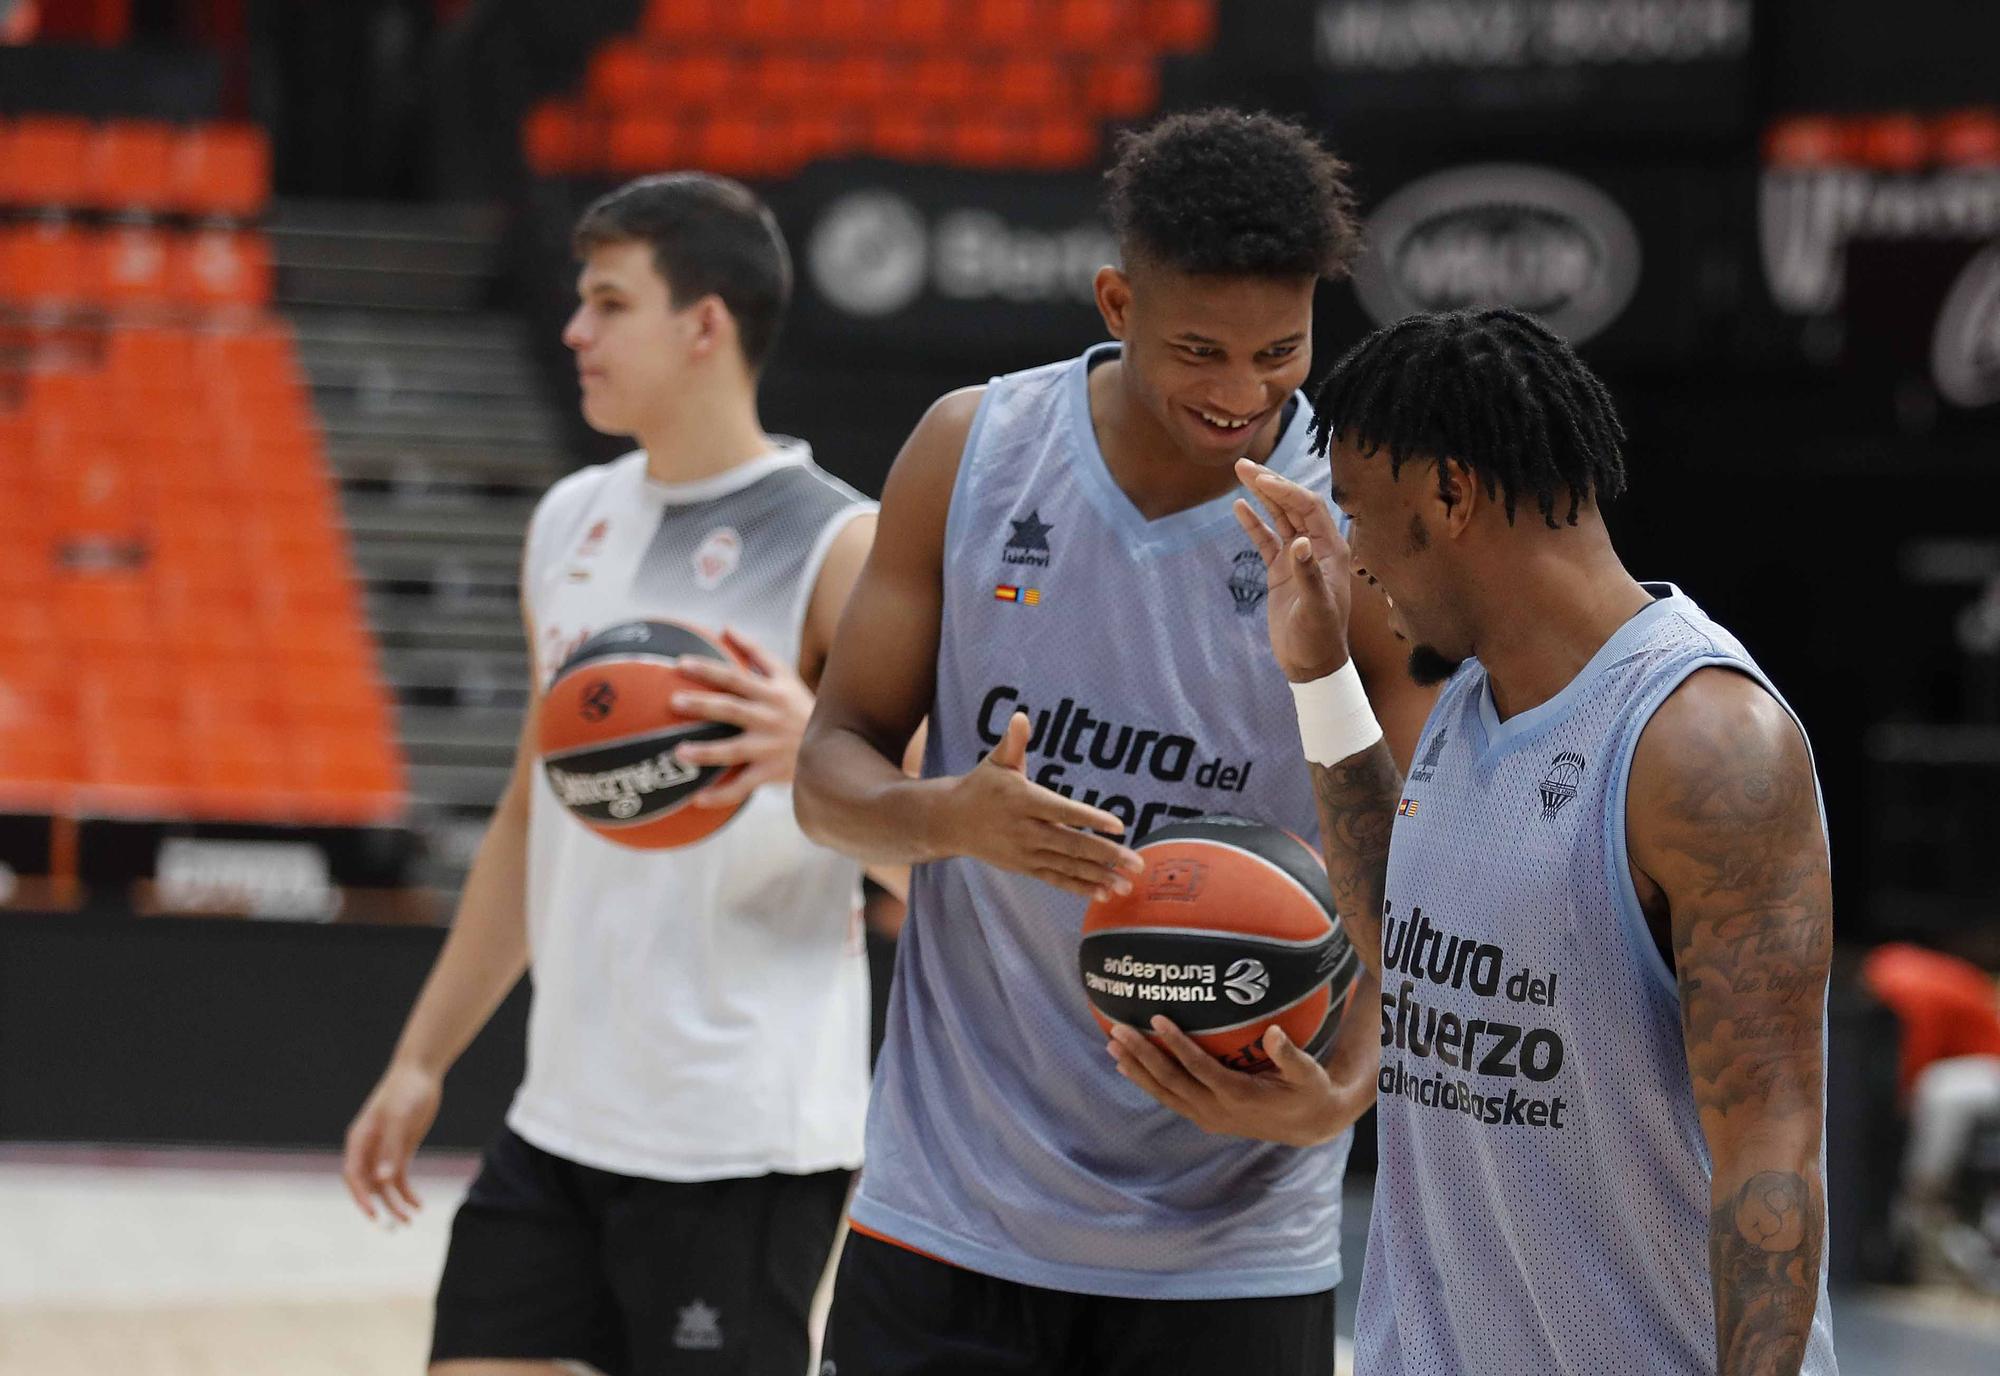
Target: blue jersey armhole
{"points": [[954, 512], [1618, 859]]}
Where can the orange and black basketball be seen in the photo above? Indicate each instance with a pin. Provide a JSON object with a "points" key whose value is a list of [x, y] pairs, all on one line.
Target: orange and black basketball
{"points": [[1230, 928], [610, 736]]}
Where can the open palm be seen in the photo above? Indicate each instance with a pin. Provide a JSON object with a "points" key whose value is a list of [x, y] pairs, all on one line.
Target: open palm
{"points": [[1306, 569]]}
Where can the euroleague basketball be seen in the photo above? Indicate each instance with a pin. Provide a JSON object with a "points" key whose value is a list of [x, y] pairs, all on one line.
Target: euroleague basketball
{"points": [[610, 737], [1229, 928]]}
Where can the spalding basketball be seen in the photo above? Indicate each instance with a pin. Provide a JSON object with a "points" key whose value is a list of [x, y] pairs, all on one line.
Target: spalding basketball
{"points": [[610, 736], [1229, 929]]}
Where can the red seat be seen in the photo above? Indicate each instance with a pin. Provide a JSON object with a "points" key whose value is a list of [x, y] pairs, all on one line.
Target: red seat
{"points": [[1006, 24], [648, 143], [47, 265], [685, 20], [1123, 88], [918, 23], [625, 74], [47, 162], [1091, 26], [763, 22], [986, 142], [131, 270], [787, 81], [552, 139], [1062, 143], [699, 81], [943, 81], [222, 170], [132, 165], [906, 137], [221, 268], [1031, 85], [1182, 26]]}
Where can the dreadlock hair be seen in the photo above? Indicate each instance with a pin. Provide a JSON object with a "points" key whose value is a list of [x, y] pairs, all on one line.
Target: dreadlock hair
{"points": [[1495, 389], [1221, 191]]}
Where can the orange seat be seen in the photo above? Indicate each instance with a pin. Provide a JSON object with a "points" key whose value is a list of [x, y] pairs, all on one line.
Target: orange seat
{"points": [[221, 268], [986, 142], [647, 143], [1031, 85], [131, 267], [787, 81], [744, 146], [696, 81], [1182, 26], [841, 23], [685, 20], [761, 22], [1062, 143], [624, 74], [152, 355], [906, 137], [1123, 88], [47, 265], [943, 81], [551, 139], [47, 162], [1091, 26], [132, 165], [863, 82], [221, 170], [918, 23], [1005, 24]]}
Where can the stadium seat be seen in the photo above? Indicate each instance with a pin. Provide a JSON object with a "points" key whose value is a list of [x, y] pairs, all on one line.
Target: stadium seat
{"points": [[221, 268], [625, 74], [905, 137], [1122, 88], [943, 81], [131, 269], [1030, 85], [698, 81], [1968, 138], [685, 21], [47, 162], [918, 23], [787, 81], [763, 22], [222, 170], [647, 143], [132, 166], [1062, 143], [865, 82], [1090, 26], [1181, 26], [1005, 24], [46, 265]]}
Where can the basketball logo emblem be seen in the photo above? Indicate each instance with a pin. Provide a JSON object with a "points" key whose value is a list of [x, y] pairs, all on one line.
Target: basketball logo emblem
{"points": [[1560, 784], [1246, 981], [598, 700]]}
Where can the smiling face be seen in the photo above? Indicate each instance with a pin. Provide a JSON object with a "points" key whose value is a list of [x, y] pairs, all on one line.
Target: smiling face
{"points": [[1211, 358], [632, 347], [1400, 542]]}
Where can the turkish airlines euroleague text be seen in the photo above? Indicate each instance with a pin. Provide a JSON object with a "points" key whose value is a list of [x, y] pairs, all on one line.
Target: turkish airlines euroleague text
{"points": [[1494, 1046]]}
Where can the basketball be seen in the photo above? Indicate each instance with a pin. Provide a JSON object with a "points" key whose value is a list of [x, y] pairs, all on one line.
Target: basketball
{"points": [[610, 737], [1229, 928]]}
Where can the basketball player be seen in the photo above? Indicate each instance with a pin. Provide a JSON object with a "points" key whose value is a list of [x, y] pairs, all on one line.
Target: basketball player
{"points": [[1061, 585], [1604, 909], [668, 1186]]}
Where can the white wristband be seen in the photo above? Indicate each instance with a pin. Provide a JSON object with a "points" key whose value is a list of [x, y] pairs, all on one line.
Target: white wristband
{"points": [[1335, 720]]}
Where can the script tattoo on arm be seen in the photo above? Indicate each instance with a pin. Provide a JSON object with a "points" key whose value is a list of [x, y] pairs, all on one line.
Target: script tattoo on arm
{"points": [[1724, 818], [1357, 811]]}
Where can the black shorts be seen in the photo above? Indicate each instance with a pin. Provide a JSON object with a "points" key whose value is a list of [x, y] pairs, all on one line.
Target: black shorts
{"points": [[896, 1313], [555, 1261]]}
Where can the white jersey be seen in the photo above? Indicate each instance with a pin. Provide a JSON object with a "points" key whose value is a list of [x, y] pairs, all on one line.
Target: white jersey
{"points": [[699, 1013]]}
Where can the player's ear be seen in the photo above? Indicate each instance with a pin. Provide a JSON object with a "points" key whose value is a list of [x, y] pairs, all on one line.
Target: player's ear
{"points": [[710, 327], [1458, 496], [1114, 299]]}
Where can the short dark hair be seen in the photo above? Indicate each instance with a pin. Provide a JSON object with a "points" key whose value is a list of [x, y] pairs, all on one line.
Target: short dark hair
{"points": [[710, 236], [1222, 191], [1497, 390]]}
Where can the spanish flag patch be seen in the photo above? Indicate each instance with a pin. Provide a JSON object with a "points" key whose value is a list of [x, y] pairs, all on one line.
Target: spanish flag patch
{"points": [[1008, 592], [1407, 808]]}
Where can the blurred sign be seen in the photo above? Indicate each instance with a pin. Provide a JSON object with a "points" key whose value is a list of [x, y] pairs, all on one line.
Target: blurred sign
{"points": [[1650, 66], [287, 879], [1498, 234], [1631, 261], [945, 263]]}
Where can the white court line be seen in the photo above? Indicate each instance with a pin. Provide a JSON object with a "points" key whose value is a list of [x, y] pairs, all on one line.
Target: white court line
{"points": [[207, 1229]]}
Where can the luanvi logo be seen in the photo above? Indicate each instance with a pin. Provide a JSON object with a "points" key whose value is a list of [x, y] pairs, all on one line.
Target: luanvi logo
{"points": [[1965, 351], [874, 253], [1426, 769], [1029, 544], [1502, 234]]}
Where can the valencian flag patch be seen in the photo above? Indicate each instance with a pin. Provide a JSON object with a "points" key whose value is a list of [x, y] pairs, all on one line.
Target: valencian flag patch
{"points": [[1027, 597]]}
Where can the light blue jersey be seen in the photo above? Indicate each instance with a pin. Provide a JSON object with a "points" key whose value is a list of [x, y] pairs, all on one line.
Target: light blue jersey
{"points": [[1000, 1137], [1542, 1205]]}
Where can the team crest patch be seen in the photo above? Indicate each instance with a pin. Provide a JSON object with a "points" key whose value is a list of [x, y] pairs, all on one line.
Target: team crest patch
{"points": [[1248, 585], [1560, 784], [716, 557]]}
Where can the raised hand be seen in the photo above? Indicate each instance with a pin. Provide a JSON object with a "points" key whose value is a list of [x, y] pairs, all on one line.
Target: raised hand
{"points": [[1306, 566], [995, 813], [771, 704]]}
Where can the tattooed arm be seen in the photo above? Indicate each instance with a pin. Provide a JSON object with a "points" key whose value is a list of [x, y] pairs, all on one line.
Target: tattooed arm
{"points": [[1725, 839]]}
